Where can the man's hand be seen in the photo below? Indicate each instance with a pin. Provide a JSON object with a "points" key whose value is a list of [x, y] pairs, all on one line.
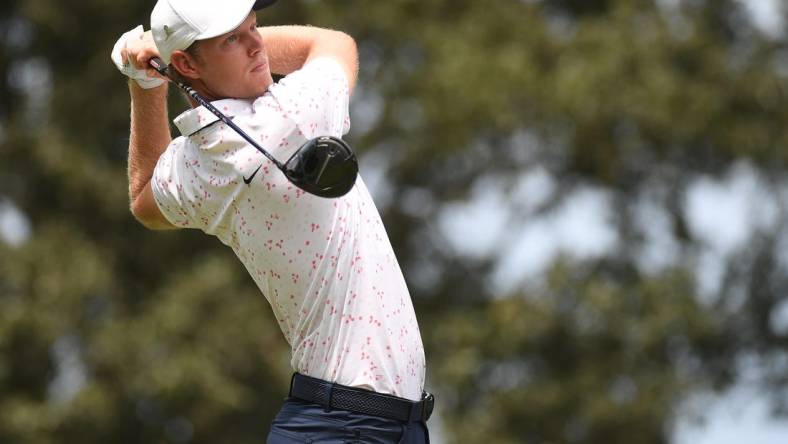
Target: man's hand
{"points": [[131, 55]]}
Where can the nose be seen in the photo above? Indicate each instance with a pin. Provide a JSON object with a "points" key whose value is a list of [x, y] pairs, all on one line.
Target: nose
{"points": [[255, 43]]}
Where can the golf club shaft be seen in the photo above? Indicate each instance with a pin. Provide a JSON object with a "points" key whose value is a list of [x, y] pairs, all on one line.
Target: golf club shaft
{"points": [[161, 68]]}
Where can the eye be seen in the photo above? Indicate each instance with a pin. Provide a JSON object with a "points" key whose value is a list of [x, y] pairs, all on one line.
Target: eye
{"points": [[232, 38]]}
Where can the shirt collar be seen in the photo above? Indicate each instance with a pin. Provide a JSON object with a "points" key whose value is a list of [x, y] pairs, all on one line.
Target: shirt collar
{"points": [[195, 119]]}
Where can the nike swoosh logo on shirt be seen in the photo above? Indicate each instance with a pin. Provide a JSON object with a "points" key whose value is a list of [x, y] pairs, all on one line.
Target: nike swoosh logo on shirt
{"points": [[248, 180]]}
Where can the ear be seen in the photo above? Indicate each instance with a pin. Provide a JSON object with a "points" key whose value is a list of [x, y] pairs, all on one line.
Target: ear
{"points": [[185, 64]]}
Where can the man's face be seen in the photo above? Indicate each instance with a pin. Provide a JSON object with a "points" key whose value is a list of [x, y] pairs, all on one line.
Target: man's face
{"points": [[233, 65]]}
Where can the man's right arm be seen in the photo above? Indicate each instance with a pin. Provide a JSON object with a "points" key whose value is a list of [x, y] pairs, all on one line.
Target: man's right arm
{"points": [[150, 136], [289, 48]]}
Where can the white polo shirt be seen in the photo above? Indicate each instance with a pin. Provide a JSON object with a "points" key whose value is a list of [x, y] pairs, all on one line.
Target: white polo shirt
{"points": [[326, 266]]}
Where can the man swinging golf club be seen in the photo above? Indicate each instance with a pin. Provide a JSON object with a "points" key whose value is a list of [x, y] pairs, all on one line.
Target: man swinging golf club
{"points": [[306, 229]]}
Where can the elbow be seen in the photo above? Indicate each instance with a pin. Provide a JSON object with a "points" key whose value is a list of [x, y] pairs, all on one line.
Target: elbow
{"points": [[152, 220], [141, 217], [346, 51], [350, 45], [348, 40]]}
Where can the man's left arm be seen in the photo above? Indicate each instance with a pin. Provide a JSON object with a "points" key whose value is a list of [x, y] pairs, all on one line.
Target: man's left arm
{"points": [[290, 47]]}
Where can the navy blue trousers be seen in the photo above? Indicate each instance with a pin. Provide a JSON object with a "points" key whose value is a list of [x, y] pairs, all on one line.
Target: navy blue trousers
{"points": [[302, 422]]}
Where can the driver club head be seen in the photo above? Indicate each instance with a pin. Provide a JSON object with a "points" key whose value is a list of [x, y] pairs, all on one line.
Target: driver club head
{"points": [[324, 166]]}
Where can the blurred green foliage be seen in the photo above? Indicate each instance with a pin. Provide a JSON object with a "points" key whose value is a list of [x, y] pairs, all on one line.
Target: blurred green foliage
{"points": [[166, 340]]}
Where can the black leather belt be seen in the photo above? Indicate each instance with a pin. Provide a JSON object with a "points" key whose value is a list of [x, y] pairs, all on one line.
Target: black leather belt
{"points": [[342, 397]]}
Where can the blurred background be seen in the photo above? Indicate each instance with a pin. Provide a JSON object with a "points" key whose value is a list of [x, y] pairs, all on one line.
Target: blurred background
{"points": [[588, 199]]}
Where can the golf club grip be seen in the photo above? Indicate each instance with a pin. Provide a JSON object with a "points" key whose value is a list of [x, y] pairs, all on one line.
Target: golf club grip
{"points": [[157, 64]]}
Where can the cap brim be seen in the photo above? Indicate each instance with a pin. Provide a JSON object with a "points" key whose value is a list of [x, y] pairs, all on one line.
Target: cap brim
{"points": [[260, 4], [220, 27]]}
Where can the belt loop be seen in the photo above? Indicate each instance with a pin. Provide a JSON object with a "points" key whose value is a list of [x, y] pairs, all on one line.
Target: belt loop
{"points": [[292, 381], [329, 394], [416, 409]]}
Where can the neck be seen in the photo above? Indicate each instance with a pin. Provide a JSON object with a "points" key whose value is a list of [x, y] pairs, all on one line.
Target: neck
{"points": [[204, 92]]}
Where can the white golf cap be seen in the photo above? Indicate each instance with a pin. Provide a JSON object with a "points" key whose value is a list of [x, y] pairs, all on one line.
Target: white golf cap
{"points": [[176, 24]]}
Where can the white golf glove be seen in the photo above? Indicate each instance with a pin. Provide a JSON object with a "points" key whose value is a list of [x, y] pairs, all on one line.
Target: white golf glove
{"points": [[128, 69]]}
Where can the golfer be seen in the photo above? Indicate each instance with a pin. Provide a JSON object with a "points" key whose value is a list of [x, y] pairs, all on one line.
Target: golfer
{"points": [[326, 266]]}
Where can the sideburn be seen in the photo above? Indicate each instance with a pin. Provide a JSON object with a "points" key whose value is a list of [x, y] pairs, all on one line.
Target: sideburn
{"points": [[194, 51]]}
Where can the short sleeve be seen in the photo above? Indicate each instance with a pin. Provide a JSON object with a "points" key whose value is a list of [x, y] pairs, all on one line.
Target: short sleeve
{"points": [[316, 97], [172, 196]]}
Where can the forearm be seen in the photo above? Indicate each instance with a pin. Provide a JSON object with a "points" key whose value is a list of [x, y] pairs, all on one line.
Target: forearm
{"points": [[150, 135], [289, 47]]}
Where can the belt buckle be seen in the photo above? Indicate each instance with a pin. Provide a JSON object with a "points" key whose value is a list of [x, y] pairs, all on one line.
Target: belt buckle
{"points": [[428, 403]]}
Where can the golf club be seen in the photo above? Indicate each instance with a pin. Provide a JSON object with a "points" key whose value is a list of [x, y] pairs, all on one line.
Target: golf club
{"points": [[324, 166]]}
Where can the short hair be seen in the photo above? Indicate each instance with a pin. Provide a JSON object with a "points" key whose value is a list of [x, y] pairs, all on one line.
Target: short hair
{"points": [[194, 51]]}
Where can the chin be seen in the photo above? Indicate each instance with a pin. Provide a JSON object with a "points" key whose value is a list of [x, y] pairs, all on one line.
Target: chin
{"points": [[263, 88], [253, 93]]}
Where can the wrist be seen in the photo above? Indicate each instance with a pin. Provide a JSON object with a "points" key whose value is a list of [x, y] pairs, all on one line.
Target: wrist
{"points": [[136, 90]]}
